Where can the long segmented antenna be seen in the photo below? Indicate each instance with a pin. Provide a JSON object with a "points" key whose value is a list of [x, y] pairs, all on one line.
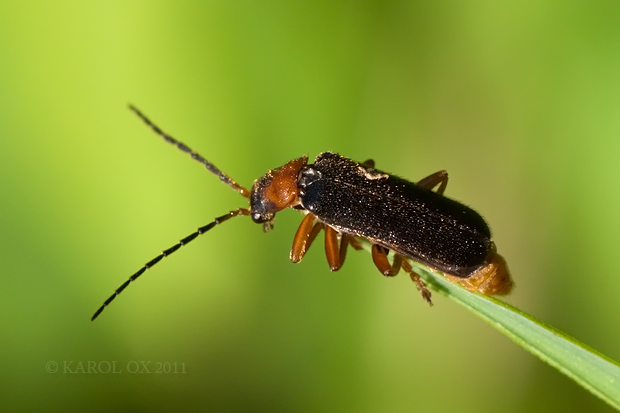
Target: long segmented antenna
{"points": [[210, 167], [165, 253]]}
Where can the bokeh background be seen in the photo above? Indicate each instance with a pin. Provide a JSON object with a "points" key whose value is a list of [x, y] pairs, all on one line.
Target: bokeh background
{"points": [[519, 101]]}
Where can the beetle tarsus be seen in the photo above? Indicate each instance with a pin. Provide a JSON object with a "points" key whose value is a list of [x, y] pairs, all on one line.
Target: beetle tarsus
{"points": [[415, 277]]}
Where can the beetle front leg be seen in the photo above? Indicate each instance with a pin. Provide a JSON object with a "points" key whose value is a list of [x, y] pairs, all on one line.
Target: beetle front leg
{"points": [[433, 180], [426, 294], [305, 235]]}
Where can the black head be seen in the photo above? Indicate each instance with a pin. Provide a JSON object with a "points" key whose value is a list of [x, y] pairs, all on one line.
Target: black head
{"points": [[262, 208]]}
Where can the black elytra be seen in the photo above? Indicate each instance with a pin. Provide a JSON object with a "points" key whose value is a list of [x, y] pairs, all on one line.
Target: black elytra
{"points": [[397, 214]]}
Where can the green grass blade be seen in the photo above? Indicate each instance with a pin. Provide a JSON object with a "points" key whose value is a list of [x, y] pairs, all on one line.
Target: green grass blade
{"points": [[590, 369]]}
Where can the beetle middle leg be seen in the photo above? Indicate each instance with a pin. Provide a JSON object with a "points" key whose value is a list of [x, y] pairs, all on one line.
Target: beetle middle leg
{"points": [[306, 234], [337, 254], [438, 178], [354, 243]]}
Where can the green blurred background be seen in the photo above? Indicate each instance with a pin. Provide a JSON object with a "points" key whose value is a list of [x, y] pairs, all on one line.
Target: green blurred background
{"points": [[519, 101]]}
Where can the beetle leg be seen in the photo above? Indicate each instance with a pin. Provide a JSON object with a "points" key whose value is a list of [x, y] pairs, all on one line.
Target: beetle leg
{"points": [[336, 254], [433, 180], [379, 257], [426, 294], [354, 243], [369, 163], [305, 235]]}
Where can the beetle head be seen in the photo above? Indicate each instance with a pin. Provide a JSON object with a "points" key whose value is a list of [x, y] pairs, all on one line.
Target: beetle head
{"points": [[275, 191]]}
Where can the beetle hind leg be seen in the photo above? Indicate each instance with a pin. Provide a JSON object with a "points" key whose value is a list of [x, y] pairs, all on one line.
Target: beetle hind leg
{"points": [[438, 178], [379, 257], [369, 163], [426, 294]]}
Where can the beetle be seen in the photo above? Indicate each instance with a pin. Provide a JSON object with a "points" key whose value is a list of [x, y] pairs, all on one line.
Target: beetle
{"points": [[350, 201]]}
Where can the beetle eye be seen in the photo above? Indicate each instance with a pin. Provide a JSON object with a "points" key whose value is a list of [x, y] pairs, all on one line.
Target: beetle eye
{"points": [[261, 218]]}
